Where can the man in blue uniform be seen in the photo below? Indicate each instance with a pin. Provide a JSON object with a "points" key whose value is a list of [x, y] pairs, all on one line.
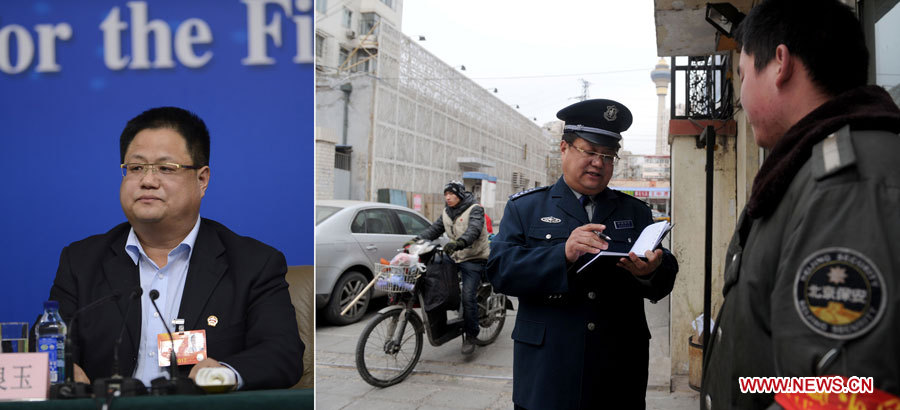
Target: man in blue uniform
{"points": [[581, 339]]}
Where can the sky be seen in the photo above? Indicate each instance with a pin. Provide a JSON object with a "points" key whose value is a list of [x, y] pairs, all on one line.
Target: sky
{"points": [[536, 53]]}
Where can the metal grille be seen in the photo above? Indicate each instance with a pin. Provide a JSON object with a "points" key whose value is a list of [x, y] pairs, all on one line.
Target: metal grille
{"points": [[701, 88], [342, 160]]}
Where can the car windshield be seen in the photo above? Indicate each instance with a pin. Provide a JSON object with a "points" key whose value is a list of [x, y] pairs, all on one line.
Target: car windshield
{"points": [[323, 212]]}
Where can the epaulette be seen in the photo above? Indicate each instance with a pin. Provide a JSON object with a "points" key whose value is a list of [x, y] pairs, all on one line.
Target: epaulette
{"points": [[624, 195], [528, 191], [833, 154]]}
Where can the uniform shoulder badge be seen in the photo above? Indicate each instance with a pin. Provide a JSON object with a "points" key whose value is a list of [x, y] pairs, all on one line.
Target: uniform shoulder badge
{"points": [[839, 293], [518, 195], [833, 154]]}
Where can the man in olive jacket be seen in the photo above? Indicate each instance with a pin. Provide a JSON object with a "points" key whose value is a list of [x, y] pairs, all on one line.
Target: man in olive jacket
{"points": [[811, 285]]}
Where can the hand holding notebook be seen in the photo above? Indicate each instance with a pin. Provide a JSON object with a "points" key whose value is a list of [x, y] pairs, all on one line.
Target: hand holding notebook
{"points": [[649, 239]]}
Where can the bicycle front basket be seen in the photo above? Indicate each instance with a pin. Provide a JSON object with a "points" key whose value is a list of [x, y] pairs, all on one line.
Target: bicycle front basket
{"points": [[395, 278]]}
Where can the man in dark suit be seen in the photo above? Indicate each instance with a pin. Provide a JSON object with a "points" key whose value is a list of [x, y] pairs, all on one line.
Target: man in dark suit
{"points": [[581, 339], [231, 286]]}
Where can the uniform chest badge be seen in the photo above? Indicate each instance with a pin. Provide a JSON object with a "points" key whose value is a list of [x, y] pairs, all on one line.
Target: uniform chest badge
{"points": [[839, 293], [212, 321], [551, 220], [628, 224]]}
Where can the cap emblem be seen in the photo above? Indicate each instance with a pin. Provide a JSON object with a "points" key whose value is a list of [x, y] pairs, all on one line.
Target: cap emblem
{"points": [[611, 113]]}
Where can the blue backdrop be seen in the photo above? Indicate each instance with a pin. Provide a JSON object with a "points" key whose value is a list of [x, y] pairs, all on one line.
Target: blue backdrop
{"points": [[59, 126]]}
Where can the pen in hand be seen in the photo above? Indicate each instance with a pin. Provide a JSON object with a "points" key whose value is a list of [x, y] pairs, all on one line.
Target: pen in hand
{"points": [[603, 236]]}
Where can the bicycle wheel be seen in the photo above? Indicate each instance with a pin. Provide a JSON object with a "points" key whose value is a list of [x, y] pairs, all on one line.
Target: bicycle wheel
{"points": [[379, 360], [491, 315]]}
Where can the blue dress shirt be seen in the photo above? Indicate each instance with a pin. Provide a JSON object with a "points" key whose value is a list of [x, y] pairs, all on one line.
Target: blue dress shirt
{"points": [[169, 282]]}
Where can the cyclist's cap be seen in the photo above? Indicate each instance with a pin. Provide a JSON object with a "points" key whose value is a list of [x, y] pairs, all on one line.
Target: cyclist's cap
{"points": [[456, 187], [597, 121]]}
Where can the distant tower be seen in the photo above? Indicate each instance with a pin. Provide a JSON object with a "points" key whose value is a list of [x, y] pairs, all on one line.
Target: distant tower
{"points": [[585, 89], [661, 76]]}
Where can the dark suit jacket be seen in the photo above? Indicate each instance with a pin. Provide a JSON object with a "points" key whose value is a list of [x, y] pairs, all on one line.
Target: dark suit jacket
{"points": [[235, 278], [580, 339]]}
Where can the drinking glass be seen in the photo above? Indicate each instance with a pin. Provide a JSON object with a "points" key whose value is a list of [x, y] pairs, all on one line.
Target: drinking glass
{"points": [[14, 337]]}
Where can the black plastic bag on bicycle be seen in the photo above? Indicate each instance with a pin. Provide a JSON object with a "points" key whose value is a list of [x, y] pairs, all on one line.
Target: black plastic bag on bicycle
{"points": [[440, 284]]}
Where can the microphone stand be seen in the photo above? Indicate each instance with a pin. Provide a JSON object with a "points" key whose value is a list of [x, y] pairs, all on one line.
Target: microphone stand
{"points": [[117, 385], [70, 389], [175, 384]]}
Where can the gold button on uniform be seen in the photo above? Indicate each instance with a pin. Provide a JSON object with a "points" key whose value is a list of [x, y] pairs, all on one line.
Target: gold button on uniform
{"points": [[548, 236]]}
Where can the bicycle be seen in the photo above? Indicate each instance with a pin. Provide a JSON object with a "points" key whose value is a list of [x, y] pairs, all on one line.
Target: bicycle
{"points": [[391, 343]]}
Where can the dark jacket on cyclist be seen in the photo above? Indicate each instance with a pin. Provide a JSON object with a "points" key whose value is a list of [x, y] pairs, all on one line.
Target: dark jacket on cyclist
{"points": [[464, 222]]}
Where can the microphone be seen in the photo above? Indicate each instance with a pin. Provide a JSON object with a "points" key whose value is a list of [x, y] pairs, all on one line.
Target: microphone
{"points": [[173, 359], [135, 294], [118, 385], [175, 384], [71, 389]]}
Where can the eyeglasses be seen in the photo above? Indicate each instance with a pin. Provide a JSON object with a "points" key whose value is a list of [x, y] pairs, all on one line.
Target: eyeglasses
{"points": [[134, 169], [607, 159]]}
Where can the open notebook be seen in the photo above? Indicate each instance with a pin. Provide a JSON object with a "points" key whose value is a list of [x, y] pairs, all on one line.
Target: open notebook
{"points": [[650, 238]]}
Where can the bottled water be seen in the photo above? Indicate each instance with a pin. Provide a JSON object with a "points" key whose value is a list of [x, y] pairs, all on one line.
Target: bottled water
{"points": [[51, 338]]}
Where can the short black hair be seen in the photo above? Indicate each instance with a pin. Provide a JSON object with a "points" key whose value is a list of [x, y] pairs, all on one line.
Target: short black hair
{"points": [[184, 122], [824, 34]]}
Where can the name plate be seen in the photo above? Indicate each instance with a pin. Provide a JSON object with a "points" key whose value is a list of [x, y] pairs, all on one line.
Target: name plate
{"points": [[24, 376]]}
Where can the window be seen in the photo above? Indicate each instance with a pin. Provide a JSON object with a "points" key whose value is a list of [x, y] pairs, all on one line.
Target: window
{"points": [[322, 6], [320, 45], [373, 221], [519, 182], [347, 18], [389, 3], [342, 57], [361, 61], [367, 21], [412, 223], [342, 158], [323, 212]]}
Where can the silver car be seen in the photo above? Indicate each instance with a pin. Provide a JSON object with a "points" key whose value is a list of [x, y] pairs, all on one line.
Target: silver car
{"points": [[350, 237]]}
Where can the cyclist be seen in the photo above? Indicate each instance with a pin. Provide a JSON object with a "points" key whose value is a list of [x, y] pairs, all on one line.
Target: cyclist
{"points": [[463, 221]]}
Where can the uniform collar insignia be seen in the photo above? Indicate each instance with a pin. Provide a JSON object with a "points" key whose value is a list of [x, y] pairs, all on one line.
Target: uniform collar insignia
{"points": [[551, 220]]}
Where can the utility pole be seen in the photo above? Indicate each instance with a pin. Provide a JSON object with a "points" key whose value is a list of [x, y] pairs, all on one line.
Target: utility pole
{"points": [[585, 89]]}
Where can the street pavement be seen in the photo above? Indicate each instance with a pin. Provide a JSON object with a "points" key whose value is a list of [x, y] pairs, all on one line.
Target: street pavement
{"points": [[443, 379]]}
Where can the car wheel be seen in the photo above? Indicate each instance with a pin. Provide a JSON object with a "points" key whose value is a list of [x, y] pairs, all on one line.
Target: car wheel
{"points": [[345, 290]]}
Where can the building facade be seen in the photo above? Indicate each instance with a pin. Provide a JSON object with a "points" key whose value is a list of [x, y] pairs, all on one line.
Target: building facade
{"points": [[404, 123]]}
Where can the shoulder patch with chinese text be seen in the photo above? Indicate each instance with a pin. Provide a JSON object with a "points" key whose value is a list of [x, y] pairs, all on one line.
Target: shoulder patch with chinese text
{"points": [[839, 293]]}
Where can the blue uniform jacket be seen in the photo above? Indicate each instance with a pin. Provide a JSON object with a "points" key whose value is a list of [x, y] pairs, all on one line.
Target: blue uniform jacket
{"points": [[580, 339]]}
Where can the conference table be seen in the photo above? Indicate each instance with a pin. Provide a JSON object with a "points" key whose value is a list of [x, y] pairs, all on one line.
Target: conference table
{"points": [[242, 400]]}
